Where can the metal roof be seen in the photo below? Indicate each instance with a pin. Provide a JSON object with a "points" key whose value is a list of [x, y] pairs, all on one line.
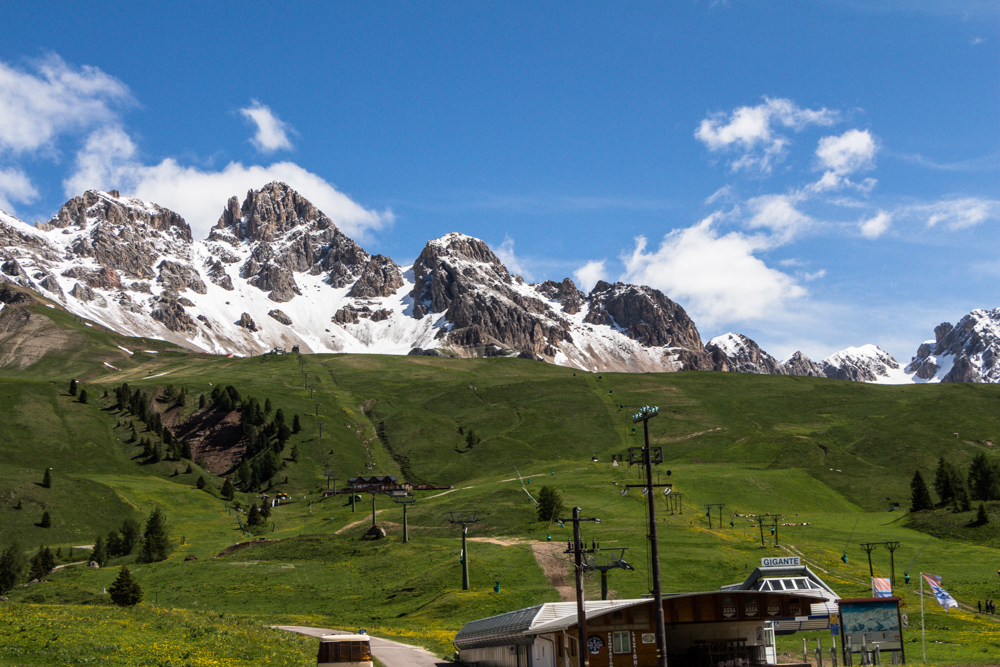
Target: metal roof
{"points": [[786, 579], [562, 615], [500, 630]]}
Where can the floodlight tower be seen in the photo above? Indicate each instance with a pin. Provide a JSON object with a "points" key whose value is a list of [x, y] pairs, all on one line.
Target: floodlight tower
{"points": [[464, 519], [647, 456]]}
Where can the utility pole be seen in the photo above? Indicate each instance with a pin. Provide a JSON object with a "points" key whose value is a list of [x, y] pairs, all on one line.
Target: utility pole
{"points": [[648, 456], [760, 523], [373, 509], [464, 519], [869, 547], [576, 548], [708, 513], [316, 405], [305, 380], [320, 424]]}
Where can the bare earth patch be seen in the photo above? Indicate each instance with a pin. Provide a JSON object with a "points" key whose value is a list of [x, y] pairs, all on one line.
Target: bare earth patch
{"points": [[554, 564]]}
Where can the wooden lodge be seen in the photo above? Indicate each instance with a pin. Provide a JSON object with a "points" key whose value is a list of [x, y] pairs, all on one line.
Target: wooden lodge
{"points": [[702, 630]]}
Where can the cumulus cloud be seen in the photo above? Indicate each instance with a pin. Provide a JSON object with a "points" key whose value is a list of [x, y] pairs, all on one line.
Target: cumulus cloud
{"points": [[15, 186], [272, 132], [958, 213], [875, 226], [109, 160], [852, 151], [753, 131], [777, 214], [54, 99], [718, 276], [587, 275]]}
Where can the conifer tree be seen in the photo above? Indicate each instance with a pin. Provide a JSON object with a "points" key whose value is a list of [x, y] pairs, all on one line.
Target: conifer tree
{"points": [[201, 401], [47, 478], [125, 590], [186, 449], [228, 490], [12, 567], [46, 521], [296, 424], [200, 483], [253, 517], [130, 532], [550, 504], [981, 517], [99, 555], [984, 478], [156, 544], [920, 497], [72, 387], [83, 396]]}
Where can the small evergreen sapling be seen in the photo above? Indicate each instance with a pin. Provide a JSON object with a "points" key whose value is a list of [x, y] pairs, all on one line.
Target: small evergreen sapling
{"points": [[72, 387], [46, 521], [125, 591]]}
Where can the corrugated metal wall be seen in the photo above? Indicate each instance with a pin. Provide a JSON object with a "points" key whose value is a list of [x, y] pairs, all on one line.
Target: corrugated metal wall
{"points": [[497, 656]]}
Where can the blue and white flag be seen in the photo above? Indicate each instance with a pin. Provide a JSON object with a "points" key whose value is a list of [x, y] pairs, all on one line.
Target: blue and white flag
{"points": [[882, 587], [941, 594]]}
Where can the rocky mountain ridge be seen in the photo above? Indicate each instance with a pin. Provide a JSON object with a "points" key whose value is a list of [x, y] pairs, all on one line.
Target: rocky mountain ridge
{"points": [[276, 272]]}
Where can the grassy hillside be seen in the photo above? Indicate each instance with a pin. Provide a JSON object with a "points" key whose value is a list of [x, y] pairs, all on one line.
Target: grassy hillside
{"points": [[829, 456]]}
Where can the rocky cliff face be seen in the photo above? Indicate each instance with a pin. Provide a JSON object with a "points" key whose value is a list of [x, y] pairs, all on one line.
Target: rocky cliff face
{"points": [[459, 277], [286, 235], [736, 353], [800, 364], [867, 363], [966, 352], [133, 267]]}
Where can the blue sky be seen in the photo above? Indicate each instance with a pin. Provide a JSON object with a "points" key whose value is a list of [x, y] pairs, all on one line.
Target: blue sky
{"points": [[812, 173]]}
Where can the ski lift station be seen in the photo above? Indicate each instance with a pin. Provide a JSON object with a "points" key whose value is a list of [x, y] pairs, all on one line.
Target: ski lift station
{"points": [[732, 626]]}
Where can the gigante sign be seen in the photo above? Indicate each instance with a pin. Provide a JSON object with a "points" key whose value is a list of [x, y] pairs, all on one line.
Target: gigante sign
{"points": [[780, 562]]}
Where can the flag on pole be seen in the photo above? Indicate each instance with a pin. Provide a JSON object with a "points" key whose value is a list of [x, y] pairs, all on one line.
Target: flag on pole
{"points": [[881, 587], [941, 594]]}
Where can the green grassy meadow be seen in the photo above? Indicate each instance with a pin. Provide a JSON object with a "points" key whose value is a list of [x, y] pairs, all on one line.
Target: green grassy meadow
{"points": [[831, 455]]}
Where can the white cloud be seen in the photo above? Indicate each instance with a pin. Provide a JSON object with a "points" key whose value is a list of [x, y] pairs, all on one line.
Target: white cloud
{"points": [[875, 226], [959, 213], [850, 152], [752, 131], [15, 186], [587, 275], [108, 161], [778, 214], [36, 107], [505, 252], [272, 132], [718, 277]]}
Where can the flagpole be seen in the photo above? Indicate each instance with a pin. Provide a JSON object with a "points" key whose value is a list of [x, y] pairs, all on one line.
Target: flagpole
{"points": [[923, 637]]}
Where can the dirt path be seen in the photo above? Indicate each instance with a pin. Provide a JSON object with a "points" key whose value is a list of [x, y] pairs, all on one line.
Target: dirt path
{"points": [[553, 562], [356, 523], [502, 541], [693, 435], [438, 495], [392, 654]]}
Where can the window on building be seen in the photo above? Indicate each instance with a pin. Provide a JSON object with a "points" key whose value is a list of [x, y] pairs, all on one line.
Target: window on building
{"points": [[621, 642]]}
